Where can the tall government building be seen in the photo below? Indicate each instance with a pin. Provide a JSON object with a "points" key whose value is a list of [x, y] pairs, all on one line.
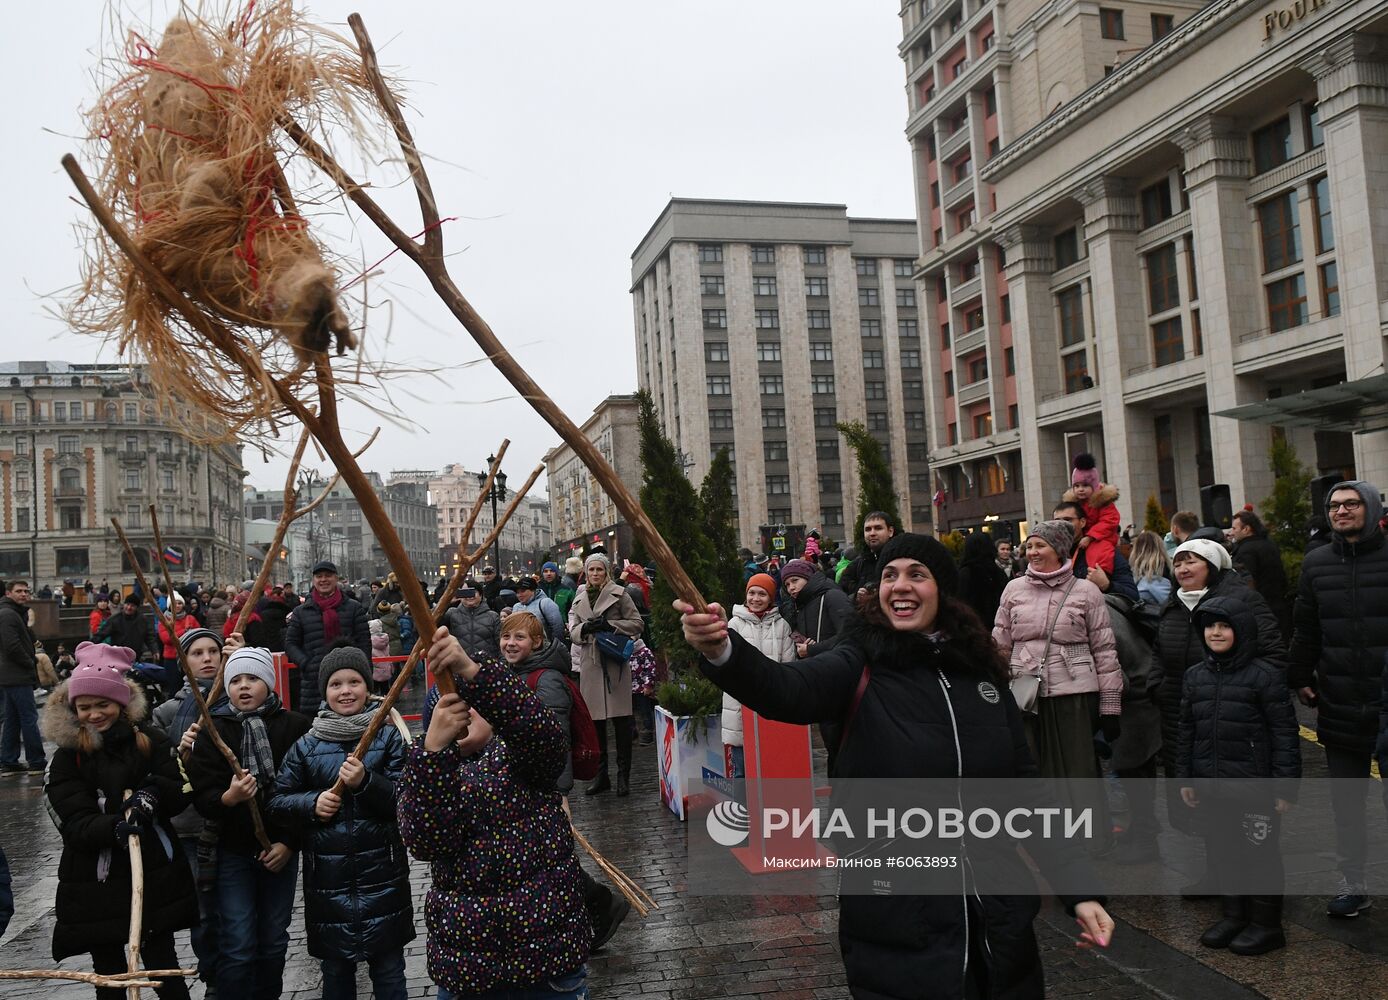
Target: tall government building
{"points": [[1154, 231], [759, 326]]}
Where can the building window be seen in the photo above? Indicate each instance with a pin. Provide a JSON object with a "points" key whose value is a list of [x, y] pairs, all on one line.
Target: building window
{"points": [[772, 418], [132, 479], [830, 482], [821, 350], [1070, 302], [1281, 232], [814, 255], [817, 319], [973, 320], [875, 390], [777, 515], [825, 416], [778, 486], [166, 480], [1013, 418], [915, 420], [132, 413], [1197, 334], [72, 562], [832, 516], [1325, 229], [68, 444], [1163, 289], [764, 284], [866, 266], [912, 388], [877, 422], [1162, 25], [1330, 288], [720, 420], [21, 519], [771, 385], [763, 254], [870, 327], [962, 169], [768, 350], [1314, 136], [21, 445], [907, 328], [872, 359], [1192, 276], [1287, 303], [1167, 347], [768, 319], [983, 424], [910, 359], [716, 351], [710, 253], [715, 319], [902, 267], [1067, 248], [775, 451], [1009, 357], [1272, 145], [720, 385], [817, 287], [69, 481], [949, 383], [1076, 368], [906, 298], [70, 517], [822, 385], [1156, 203], [990, 101], [867, 297], [1111, 23], [952, 437], [977, 367], [711, 284], [826, 448], [60, 412]]}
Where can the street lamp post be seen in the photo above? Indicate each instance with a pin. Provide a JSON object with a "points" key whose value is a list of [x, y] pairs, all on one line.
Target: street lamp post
{"points": [[497, 492]]}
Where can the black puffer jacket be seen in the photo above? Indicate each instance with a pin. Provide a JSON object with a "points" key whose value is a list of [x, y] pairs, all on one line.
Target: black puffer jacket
{"points": [[135, 632], [356, 871], [821, 609], [476, 629], [305, 646], [927, 711], [1179, 644], [18, 663], [861, 572], [267, 625], [84, 795], [1341, 631], [1236, 710], [551, 662], [981, 582]]}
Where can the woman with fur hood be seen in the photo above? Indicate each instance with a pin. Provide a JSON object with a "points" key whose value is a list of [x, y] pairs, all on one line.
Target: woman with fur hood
{"points": [[759, 621], [1102, 520], [99, 720]]}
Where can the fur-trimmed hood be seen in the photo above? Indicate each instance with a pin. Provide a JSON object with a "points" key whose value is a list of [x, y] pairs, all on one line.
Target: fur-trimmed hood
{"points": [[1106, 493], [59, 721]]}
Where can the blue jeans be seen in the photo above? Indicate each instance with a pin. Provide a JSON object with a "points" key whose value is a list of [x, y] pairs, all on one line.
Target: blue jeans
{"points": [[255, 906], [387, 977], [21, 718], [574, 986], [205, 937]]}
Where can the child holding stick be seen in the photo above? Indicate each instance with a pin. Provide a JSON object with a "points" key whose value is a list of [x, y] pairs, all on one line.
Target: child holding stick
{"points": [[356, 872], [98, 718], [478, 800], [255, 886]]}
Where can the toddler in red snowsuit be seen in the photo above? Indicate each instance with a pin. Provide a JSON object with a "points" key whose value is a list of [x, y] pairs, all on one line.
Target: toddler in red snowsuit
{"points": [[1099, 543]]}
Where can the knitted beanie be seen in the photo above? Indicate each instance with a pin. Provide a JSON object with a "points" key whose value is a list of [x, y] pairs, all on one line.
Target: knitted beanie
{"points": [[928, 551], [550, 565], [1210, 551], [342, 658], [1059, 535], [1086, 471], [186, 640], [257, 662], [100, 673], [797, 567], [573, 565], [763, 580]]}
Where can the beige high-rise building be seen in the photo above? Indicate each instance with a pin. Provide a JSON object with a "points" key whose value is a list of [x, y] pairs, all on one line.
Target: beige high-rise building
{"points": [[1183, 250], [759, 326], [581, 512]]}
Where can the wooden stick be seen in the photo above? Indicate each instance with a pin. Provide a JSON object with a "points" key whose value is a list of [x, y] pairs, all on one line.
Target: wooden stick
{"points": [[137, 900], [638, 897], [204, 716], [429, 258], [119, 980]]}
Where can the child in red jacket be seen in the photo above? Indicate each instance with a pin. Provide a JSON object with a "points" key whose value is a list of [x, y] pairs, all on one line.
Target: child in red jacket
{"points": [[1099, 542]]}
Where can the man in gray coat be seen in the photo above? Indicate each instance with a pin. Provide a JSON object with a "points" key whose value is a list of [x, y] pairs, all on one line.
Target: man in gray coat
{"points": [[19, 675], [476, 626]]}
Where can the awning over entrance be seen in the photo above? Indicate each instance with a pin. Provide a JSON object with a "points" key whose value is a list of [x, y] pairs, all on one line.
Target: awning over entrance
{"points": [[1360, 406]]}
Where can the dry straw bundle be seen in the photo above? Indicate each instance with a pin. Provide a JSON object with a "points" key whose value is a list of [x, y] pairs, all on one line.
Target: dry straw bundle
{"points": [[192, 162]]}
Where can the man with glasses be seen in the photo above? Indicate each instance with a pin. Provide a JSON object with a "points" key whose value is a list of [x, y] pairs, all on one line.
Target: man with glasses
{"points": [[1340, 636], [19, 675]]}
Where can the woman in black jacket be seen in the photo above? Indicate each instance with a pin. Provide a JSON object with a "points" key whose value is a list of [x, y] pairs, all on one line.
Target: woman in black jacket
{"points": [[922, 694], [819, 611], [981, 580]]}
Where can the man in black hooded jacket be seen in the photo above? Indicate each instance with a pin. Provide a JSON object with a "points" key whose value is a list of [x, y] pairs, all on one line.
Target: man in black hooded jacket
{"points": [[1339, 640]]}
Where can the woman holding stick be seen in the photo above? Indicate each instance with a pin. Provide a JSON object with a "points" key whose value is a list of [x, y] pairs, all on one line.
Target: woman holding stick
{"points": [[98, 718]]}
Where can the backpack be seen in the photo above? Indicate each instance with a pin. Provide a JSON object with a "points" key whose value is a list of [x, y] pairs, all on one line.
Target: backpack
{"points": [[583, 735]]}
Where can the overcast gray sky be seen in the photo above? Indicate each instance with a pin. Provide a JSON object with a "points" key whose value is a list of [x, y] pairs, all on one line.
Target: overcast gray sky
{"points": [[558, 131]]}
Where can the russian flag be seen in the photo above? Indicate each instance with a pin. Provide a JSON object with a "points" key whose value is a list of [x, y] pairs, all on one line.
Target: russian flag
{"points": [[173, 555]]}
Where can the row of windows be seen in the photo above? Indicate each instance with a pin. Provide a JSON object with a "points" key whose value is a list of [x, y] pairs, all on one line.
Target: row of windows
{"points": [[762, 253], [773, 418], [815, 319], [820, 350]]}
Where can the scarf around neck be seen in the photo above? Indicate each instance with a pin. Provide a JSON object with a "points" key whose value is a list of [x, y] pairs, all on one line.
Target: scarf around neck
{"points": [[334, 728], [332, 628], [256, 754], [1190, 598]]}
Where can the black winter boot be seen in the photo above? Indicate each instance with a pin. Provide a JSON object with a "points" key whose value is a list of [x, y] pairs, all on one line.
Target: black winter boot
{"points": [[1235, 919], [1264, 930], [622, 727], [602, 783]]}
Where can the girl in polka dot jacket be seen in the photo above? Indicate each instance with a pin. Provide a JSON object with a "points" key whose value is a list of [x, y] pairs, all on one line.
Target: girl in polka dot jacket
{"points": [[478, 800]]}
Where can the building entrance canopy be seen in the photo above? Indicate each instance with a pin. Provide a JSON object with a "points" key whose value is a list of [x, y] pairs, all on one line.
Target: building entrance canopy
{"points": [[1360, 406]]}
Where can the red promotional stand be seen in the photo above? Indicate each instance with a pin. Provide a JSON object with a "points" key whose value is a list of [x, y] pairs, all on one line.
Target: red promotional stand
{"points": [[776, 756]]}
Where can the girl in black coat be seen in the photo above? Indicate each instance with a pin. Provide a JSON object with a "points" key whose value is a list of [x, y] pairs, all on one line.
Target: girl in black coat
{"points": [[923, 694], [98, 720], [1237, 723]]}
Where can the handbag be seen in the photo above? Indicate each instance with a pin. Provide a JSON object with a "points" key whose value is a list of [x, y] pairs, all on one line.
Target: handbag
{"points": [[1026, 688], [615, 646]]}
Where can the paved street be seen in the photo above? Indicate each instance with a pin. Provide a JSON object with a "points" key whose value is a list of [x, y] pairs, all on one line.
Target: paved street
{"points": [[700, 946]]}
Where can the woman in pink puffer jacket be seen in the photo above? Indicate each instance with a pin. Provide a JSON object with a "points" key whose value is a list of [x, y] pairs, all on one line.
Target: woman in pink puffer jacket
{"points": [[1081, 687]]}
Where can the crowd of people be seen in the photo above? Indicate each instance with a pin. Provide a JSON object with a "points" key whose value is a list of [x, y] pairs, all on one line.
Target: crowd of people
{"points": [[1178, 655]]}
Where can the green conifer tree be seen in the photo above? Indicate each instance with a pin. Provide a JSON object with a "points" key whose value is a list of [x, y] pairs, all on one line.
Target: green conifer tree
{"points": [[1287, 512], [1154, 518], [716, 502], [875, 491]]}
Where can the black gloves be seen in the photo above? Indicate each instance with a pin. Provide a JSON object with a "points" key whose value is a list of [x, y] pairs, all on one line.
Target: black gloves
{"points": [[1111, 727], [134, 827], [143, 803]]}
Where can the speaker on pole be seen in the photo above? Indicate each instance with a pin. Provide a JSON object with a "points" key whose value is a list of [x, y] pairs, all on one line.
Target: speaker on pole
{"points": [[1216, 507]]}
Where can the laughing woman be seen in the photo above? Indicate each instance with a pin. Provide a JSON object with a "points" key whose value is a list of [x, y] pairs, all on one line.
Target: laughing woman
{"points": [[916, 683]]}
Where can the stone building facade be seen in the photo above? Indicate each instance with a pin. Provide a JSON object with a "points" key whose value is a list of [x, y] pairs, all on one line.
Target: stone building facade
{"points": [[581, 512], [453, 490], [80, 444]]}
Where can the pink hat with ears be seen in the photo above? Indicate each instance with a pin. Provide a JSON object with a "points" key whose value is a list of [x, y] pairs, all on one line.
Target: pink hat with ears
{"points": [[100, 673]]}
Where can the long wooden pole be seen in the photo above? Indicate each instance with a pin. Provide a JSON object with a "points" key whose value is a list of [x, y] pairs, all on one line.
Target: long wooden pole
{"points": [[137, 902], [119, 980]]}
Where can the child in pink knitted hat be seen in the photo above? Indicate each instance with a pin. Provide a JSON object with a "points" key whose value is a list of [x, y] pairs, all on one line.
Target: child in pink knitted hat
{"points": [[1099, 543]]}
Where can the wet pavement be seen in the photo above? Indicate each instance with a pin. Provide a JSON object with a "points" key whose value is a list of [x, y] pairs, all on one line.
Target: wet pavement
{"points": [[720, 946]]}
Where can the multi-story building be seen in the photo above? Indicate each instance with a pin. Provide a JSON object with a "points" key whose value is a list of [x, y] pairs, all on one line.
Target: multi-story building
{"points": [[304, 543], [453, 491], [80, 444], [980, 73], [581, 511], [759, 327]]}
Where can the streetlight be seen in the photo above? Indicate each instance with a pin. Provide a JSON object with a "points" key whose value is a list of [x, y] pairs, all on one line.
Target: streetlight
{"points": [[497, 492]]}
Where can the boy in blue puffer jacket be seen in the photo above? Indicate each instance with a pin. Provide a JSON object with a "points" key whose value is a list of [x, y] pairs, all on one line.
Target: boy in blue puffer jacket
{"points": [[356, 872]]}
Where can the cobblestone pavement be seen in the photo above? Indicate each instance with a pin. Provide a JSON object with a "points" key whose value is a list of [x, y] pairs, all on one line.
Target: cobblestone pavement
{"points": [[704, 946]]}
